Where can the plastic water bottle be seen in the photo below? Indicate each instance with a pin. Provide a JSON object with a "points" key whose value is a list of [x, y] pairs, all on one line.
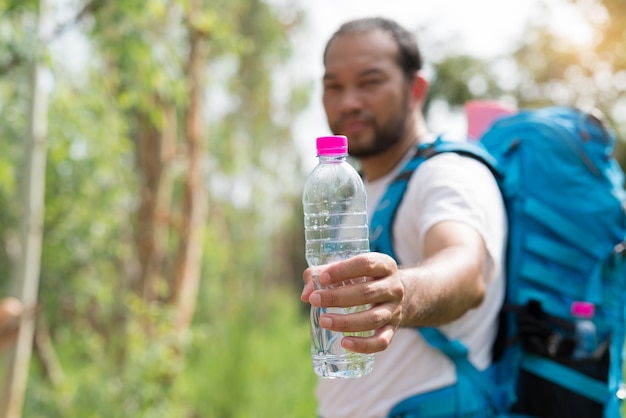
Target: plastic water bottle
{"points": [[336, 228], [586, 337]]}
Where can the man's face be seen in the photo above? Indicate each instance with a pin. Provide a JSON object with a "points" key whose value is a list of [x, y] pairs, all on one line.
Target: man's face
{"points": [[365, 94]]}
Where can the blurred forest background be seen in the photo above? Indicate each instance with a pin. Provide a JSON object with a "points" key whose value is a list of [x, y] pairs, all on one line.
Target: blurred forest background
{"points": [[169, 222]]}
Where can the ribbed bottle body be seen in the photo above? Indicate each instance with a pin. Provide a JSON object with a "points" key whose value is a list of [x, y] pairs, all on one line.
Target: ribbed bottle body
{"points": [[336, 228]]}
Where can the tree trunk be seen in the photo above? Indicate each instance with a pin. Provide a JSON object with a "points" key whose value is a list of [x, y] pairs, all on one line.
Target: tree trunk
{"points": [[155, 152], [194, 205], [32, 193]]}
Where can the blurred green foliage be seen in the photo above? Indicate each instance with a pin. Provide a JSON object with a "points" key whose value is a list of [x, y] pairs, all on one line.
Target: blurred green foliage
{"points": [[246, 354]]}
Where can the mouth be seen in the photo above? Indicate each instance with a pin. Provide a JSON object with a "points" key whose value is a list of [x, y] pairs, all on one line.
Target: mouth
{"points": [[354, 127]]}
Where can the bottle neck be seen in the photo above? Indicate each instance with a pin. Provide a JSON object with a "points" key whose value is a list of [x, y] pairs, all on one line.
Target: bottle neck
{"points": [[332, 159]]}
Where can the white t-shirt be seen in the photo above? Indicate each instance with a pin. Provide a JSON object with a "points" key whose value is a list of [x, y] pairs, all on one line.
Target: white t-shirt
{"points": [[446, 187]]}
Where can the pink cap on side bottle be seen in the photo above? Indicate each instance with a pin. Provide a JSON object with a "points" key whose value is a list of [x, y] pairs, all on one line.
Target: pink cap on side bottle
{"points": [[583, 309], [332, 145]]}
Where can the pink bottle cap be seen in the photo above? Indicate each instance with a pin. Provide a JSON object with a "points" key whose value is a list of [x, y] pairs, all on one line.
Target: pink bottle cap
{"points": [[332, 145], [583, 309]]}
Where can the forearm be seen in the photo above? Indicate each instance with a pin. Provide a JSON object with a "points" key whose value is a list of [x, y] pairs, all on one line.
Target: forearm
{"points": [[444, 287]]}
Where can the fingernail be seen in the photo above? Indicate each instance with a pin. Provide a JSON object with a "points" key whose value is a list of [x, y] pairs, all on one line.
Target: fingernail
{"points": [[326, 322], [349, 344], [315, 299]]}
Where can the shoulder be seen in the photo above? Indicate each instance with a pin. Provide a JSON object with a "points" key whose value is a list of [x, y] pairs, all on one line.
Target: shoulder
{"points": [[450, 167], [450, 182]]}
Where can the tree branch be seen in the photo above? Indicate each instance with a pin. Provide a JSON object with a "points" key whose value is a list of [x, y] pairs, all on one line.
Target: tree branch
{"points": [[16, 59], [88, 9]]}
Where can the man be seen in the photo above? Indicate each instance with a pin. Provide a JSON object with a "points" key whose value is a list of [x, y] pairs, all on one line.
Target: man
{"points": [[449, 232]]}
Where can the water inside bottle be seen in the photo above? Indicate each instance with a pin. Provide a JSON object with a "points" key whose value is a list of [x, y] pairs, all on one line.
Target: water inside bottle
{"points": [[330, 359]]}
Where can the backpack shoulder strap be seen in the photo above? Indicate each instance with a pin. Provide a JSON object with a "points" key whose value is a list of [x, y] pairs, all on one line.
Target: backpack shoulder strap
{"points": [[382, 220], [467, 373]]}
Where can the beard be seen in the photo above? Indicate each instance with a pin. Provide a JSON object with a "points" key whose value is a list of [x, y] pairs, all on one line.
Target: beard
{"points": [[385, 136]]}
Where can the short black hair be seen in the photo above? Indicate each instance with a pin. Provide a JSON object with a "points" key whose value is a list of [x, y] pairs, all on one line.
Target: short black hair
{"points": [[409, 56]]}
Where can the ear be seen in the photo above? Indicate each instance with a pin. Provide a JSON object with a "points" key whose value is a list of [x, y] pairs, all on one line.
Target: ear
{"points": [[419, 87]]}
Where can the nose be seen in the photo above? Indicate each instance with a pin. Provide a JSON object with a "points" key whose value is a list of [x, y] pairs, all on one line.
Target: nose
{"points": [[350, 100]]}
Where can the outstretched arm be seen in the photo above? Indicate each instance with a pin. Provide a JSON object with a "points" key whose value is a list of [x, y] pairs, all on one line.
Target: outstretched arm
{"points": [[450, 280], [441, 289]]}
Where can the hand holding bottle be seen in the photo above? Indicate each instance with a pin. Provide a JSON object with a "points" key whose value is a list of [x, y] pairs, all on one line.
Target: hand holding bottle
{"points": [[381, 290]]}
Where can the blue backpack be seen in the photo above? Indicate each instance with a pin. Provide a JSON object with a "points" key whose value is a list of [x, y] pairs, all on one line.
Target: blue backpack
{"points": [[566, 206]]}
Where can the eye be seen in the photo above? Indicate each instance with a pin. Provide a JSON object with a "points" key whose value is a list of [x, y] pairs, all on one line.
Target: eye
{"points": [[371, 82], [332, 86]]}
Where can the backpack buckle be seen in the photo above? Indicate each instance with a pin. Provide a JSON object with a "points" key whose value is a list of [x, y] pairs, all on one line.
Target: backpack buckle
{"points": [[620, 250]]}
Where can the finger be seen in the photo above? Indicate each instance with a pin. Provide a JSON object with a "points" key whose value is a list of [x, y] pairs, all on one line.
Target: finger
{"points": [[307, 276], [346, 296], [307, 279], [367, 345], [306, 292], [374, 265], [364, 320], [368, 292]]}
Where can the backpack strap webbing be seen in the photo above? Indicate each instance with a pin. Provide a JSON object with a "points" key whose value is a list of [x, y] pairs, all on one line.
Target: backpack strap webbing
{"points": [[467, 373], [566, 377]]}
